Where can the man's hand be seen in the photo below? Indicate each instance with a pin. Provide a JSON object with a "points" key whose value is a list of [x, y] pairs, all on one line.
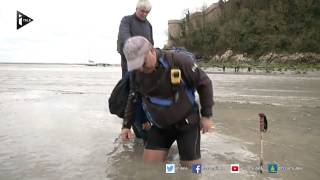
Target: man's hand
{"points": [[146, 126], [126, 134], [206, 124]]}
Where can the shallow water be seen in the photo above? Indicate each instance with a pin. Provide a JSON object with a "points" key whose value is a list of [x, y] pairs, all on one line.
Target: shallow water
{"points": [[54, 124]]}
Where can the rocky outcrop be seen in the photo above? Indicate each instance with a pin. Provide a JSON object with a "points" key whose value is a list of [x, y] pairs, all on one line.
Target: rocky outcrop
{"points": [[299, 58], [269, 58], [226, 56]]}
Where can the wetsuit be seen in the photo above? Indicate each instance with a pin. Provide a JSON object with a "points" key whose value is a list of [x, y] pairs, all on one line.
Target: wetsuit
{"points": [[186, 133]]}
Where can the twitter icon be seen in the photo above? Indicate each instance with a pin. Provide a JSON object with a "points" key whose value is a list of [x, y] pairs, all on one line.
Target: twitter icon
{"points": [[170, 168]]}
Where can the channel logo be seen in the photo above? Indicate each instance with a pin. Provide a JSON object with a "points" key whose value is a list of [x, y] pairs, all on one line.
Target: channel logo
{"points": [[235, 168], [22, 20], [273, 168], [170, 168], [196, 168]]}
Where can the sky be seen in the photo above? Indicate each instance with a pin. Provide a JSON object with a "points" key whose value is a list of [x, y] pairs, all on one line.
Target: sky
{"points": [[75, 31]]}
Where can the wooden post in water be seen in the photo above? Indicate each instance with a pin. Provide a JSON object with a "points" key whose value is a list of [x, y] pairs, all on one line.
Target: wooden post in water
{"points": [[263, 129]]}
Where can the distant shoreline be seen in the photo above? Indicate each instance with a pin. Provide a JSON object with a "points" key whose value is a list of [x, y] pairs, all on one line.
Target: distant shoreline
{"points": [[208, 68], [81, 64]]}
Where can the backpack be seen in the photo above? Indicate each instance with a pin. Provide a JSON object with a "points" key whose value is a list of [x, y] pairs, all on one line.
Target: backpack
{"points": [[118, 103], [119, 96], [178, 50]]}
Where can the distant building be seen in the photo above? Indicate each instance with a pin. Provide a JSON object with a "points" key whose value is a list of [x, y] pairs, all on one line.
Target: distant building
{"points": [[179, 29]]}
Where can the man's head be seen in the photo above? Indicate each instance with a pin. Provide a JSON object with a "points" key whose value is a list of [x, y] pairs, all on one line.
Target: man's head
{"points": [[143, 8], [140, 54]]}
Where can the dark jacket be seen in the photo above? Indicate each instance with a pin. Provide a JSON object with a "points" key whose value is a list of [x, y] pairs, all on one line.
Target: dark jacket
{"points": [[146, 84], [133, 26]]}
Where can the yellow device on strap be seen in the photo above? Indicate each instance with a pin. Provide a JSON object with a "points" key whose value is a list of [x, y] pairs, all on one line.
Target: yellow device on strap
{"points": [[175, 76]]}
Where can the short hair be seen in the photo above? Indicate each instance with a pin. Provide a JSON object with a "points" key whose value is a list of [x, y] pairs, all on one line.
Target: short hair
{"points": [[144, 4]]}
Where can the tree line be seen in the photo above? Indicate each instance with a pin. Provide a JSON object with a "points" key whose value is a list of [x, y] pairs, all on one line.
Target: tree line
{"points": [[257, 27]]}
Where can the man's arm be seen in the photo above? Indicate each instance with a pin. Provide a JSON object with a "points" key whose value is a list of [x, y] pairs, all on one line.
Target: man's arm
{"points": [[152, 42], [126, 133], [124, 32], [130, 110], [198, 79]]}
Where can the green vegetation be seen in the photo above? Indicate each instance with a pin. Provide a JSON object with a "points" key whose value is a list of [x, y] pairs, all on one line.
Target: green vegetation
{"points": [[257, 27]]}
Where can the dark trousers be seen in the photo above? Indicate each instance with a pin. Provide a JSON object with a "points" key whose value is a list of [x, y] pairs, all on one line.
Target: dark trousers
{"points": [[124, 66]]}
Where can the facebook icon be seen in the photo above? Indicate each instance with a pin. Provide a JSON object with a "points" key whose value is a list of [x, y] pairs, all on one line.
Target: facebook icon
{"points": [[196, 168]]}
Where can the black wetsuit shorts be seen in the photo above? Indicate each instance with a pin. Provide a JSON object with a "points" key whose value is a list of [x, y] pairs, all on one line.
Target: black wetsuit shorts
{"points": [[186, 135]]}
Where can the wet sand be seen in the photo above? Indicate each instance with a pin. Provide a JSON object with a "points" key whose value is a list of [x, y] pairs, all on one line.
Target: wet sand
{"points": [[55, 125]]}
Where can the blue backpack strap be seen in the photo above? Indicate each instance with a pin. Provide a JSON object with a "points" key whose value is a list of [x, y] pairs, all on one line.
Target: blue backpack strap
{"points": [[160, 101], [164, 63], [149, 116], [191, 96], [190, 91], [166, 102], [127, 74]]}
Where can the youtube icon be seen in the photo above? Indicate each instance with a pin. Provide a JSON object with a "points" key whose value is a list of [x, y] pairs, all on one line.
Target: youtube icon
{"points": [[235, 168]]}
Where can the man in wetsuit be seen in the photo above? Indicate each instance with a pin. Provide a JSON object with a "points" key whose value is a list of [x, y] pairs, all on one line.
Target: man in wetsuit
{"points": [[152, 79]]}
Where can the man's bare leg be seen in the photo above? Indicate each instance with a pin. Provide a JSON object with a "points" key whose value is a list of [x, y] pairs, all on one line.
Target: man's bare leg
{"points": [[189, 163], [151, 156]]}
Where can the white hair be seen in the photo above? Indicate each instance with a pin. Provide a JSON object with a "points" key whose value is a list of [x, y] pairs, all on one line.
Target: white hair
{"points": [[144, 4]]}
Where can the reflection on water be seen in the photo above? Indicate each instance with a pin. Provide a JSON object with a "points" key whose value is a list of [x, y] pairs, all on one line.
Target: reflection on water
{"points": [[54, 124]]}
